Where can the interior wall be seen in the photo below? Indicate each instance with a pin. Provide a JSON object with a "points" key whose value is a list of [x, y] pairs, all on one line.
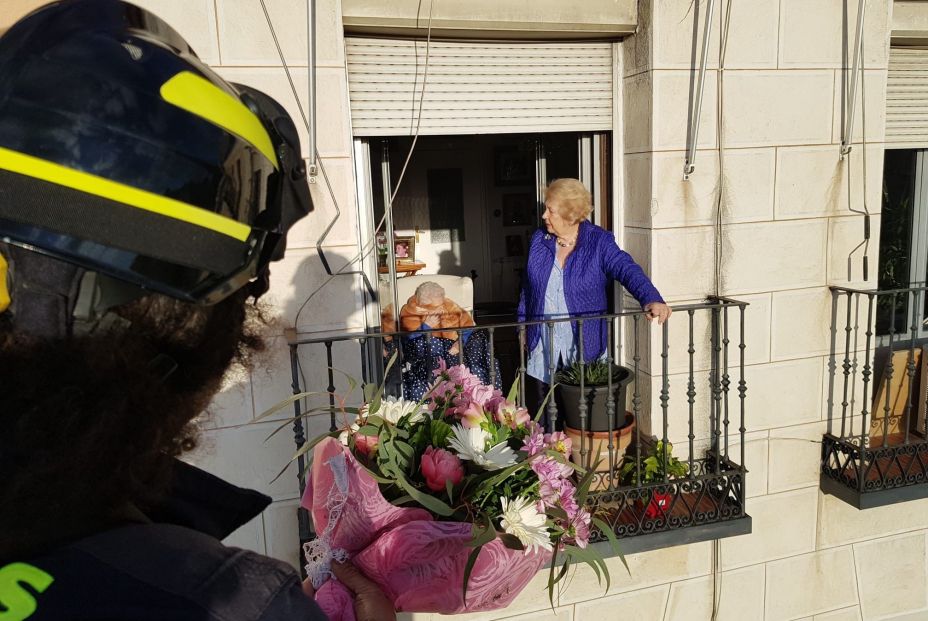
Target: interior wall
{"points": [[411, 209]]}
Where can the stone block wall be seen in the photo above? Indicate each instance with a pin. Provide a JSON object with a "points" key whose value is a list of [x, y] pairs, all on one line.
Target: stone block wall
{"points": [[786, 232]]}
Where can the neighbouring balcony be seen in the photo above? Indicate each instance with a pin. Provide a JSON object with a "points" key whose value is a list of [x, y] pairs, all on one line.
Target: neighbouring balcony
{"points": [[875, 450], [671, 455]]}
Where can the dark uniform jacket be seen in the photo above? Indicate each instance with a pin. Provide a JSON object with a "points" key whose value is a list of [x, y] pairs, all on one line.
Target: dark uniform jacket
{"points": [[172, 567]]}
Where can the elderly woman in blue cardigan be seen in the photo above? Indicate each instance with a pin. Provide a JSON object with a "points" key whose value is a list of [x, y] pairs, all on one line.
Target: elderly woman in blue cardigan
{"points": [[570, 265]]}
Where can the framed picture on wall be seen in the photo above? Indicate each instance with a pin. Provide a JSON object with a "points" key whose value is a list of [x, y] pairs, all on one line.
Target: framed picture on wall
{"points": [[512, 166], [518, 209], [405, 248]]}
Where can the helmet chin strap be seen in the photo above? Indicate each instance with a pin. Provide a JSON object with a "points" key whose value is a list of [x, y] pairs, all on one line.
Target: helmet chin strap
{"points": [[53, 299], [43, 293]]}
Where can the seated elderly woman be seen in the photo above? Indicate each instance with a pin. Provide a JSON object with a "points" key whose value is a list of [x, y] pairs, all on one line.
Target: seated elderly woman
{"points": [[452, 339]]}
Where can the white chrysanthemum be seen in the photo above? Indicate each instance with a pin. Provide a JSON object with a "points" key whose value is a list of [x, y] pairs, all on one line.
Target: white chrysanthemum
{"points": [[471, 444], [393, 409], [351, 430], [521, 519]]}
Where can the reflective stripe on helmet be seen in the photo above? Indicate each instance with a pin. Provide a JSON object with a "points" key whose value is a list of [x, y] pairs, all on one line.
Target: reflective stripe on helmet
{"points": [[134, 197], [4, 290], [201, 97]]}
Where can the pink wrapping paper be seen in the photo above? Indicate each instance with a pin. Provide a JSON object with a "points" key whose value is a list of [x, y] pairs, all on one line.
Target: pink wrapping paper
{"points": [[417, 561]]}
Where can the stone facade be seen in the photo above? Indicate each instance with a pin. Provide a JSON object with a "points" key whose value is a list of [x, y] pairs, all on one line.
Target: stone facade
{"points": [[785, 235]]}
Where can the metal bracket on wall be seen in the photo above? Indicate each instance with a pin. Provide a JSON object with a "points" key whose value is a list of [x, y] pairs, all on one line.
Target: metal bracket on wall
{"points": [[851, 101], [696, 110], [311, 61]]}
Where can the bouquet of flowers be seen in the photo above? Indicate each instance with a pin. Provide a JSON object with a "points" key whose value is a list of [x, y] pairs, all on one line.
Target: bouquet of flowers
{"points": [[450, 504]]}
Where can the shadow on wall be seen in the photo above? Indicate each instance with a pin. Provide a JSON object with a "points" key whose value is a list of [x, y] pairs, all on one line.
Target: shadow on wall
{"points": [[448, 264]]}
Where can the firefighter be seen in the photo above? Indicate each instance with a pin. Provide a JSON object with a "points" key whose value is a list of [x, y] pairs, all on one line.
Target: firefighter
{"points": [[142, 198]]}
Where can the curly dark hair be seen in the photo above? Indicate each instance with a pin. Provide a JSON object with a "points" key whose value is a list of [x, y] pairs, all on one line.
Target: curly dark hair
{"points": [[90, 426]]}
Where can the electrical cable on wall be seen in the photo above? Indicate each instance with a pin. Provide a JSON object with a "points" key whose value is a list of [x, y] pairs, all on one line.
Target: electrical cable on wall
{"points": [[720, 136], [367, 248]]}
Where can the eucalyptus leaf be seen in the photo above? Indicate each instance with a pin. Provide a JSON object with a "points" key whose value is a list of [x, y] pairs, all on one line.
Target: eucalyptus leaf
{"points": [[378, 394], [429, 502], [544, 402], [552, 580], [593, 559], [352, 382], [511, 541], [290, 421], [369, 430], [288, 401], [612, 539], [468, 568], [482, 531], [513, 391]]}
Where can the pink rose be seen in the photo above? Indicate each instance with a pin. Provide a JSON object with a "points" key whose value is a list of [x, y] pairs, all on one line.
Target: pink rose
{"points": [[365, 444], [440, 466]]}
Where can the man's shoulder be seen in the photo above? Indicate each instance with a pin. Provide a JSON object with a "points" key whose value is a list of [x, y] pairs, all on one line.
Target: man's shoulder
{"points": [[161, 567]]}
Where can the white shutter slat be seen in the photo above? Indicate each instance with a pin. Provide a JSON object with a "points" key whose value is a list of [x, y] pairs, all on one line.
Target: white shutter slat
{"points": [[907, 97], [479, 87]]}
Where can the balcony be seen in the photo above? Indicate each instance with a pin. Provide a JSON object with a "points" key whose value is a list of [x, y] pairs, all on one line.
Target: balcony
{"points": [[875, 450], [686, 388]]}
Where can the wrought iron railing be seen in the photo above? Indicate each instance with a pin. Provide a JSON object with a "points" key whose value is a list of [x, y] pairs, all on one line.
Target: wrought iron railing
{"points": [[651, 504], [875, 450]]}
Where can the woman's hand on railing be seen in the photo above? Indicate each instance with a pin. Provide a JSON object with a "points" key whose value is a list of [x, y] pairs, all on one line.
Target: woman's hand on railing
{"points": [[659, 311]]}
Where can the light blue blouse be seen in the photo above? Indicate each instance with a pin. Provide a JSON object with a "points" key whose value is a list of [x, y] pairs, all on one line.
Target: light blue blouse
{"points": [[565, 350]]}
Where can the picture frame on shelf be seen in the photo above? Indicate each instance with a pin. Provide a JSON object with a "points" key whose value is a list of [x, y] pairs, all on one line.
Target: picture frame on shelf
{"points": [[404, 247]]}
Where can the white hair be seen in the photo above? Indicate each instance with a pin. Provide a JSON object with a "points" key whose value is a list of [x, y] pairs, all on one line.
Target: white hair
{"points": [[429, 290]]}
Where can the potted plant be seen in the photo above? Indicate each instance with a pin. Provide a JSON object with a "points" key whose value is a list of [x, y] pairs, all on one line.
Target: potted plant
{"points": [[600, 430], [651, 468], [595, 377]]}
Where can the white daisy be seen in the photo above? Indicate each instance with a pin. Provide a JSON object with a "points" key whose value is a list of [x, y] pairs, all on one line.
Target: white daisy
{"points": [[350, 430], [471, 444], [521, 519], [393, 409]]}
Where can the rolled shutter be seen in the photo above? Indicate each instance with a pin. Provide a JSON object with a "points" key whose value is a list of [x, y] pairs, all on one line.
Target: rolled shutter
{"points": [[478, 88], [907, 98]]}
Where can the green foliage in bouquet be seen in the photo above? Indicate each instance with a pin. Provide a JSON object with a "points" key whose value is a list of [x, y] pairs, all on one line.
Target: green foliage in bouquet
{"points": [[466, 453]]}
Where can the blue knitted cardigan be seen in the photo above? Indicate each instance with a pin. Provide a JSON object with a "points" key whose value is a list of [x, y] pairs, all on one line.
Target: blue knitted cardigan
{"points": [[595, 261]]}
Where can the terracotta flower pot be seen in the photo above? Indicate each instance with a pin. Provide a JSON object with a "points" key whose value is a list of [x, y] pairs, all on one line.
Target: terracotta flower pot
{"points": [[597, 446]]}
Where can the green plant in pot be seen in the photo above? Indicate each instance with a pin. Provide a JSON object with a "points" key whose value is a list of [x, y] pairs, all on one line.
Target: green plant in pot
{"points": [[595, 394], [593, 445], [650, 468]]}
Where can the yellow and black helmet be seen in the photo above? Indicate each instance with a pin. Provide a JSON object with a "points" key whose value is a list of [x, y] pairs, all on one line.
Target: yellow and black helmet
{"points": [[122, 154]]}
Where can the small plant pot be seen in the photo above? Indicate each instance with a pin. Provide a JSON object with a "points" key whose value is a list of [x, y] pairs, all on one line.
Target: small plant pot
{"points": [[569, 398], [597, 446]]}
